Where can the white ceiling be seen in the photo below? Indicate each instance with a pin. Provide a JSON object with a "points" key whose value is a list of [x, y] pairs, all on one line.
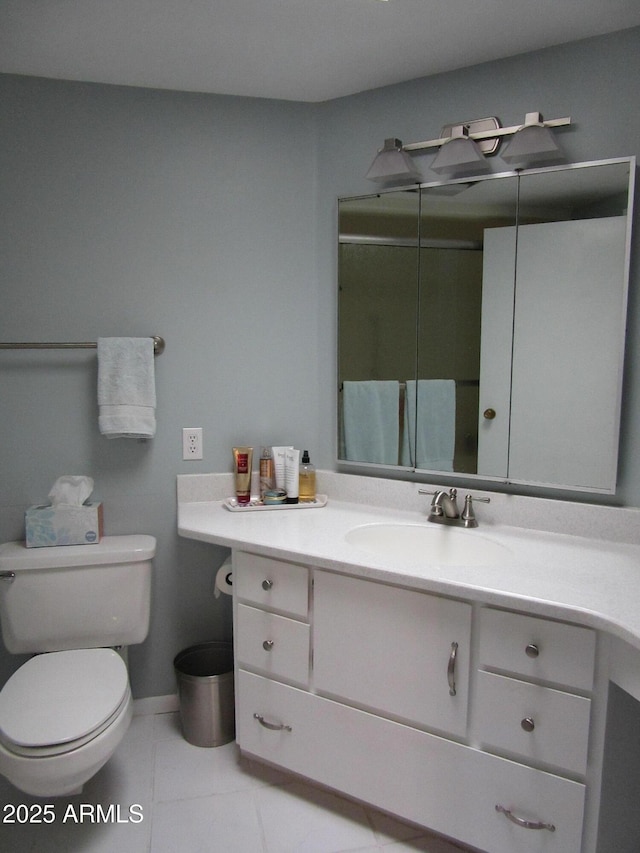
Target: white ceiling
{"points": [[303, 50]]}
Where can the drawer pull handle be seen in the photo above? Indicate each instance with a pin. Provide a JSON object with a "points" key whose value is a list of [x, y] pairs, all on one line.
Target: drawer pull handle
{"points": [[273, 727], [528, 724], [451, 669], [532, 651], [525, 824], [7, 576], [267, 584], [267, 645]]}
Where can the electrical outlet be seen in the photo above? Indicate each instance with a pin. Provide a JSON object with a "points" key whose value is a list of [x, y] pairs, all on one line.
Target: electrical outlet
{"points": [[192, 443]]}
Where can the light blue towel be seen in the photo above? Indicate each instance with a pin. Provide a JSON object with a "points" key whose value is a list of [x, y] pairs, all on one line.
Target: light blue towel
{"points": [[126, 388], [371, 422], [435, 412]]}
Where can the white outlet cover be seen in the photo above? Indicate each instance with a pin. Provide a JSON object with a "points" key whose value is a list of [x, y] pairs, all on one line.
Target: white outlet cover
{"points": [[192, 443]]}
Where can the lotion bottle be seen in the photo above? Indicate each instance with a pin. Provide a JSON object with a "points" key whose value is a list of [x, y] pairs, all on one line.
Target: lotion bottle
{"points": [[292, 474], [307, 480], [242, 458]]}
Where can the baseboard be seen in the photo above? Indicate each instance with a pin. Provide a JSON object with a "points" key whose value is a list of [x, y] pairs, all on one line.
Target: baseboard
{"points": [[156, 704]]}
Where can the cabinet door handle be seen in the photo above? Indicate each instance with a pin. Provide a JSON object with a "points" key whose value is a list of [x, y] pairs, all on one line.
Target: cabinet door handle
{"points": [[267, 584], [273, 727], [451, 669], [532, 651], [267, 645], [525, 824], [528, 724]]}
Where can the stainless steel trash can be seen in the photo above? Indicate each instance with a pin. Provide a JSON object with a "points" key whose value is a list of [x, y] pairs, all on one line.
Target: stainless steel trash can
{"points": [[204, 674]]}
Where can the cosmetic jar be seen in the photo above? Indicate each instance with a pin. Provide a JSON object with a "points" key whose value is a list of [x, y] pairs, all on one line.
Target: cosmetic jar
{"points": [[274, 497]]}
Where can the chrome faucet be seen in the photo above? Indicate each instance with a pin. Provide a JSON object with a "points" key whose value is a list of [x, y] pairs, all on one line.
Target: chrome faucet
{"points": [[445, 505], [444, 508]]}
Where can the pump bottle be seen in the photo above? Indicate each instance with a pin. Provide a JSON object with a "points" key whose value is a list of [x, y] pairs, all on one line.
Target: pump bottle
{"points": [[307, 481]]}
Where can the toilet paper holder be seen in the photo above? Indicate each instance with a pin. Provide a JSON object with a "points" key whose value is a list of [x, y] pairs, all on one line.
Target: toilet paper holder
{"points": [[224, 579]]}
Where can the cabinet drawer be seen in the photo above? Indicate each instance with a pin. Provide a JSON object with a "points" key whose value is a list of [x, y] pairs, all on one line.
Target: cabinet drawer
{"points": [[448, 787], [537, 648], [271, 583], [274, 644], [535, 722]]}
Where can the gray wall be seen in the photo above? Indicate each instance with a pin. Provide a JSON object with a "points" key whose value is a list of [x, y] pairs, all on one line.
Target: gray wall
{"points": [[132, 212], [210, 220], [596, 82]]}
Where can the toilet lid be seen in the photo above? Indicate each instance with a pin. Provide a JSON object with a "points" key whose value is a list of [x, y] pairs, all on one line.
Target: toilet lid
{"points": [[62, 696]]}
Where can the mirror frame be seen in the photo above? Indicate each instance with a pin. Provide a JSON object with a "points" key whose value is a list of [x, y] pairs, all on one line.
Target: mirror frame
{"points": [[475, 478]]}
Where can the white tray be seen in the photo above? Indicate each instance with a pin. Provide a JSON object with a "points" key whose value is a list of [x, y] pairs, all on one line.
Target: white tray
{"points": [[256, 504]]}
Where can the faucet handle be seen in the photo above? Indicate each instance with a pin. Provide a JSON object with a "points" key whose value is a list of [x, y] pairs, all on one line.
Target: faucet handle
{"points": [[452, 493], [468, 516]]}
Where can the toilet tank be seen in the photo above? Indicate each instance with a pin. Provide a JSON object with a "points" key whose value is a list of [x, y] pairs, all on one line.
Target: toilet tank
{"points": [[75, 596]]}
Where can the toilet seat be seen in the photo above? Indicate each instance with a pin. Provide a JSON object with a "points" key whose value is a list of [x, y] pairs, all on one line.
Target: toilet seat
{"points": [[59, 701]]}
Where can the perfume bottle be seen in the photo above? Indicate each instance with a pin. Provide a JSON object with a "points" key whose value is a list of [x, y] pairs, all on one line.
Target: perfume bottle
{"points": [[266, 472]]}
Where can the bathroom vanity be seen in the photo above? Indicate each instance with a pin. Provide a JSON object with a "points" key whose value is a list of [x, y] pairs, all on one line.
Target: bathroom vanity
{"points": [[464, 691]]}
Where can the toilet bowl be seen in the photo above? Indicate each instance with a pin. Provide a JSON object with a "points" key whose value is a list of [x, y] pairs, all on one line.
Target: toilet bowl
{"points": [[64, 711], [62, 714]]}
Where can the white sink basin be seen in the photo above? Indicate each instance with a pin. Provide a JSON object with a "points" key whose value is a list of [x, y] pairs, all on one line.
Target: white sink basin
{"points": [[429, 544]]}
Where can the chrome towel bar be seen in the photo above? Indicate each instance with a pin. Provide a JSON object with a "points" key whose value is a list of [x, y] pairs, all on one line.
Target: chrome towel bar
{"points": [[158, 345]]}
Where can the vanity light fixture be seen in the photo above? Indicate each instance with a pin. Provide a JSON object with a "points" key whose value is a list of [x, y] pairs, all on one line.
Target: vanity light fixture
{"points": [[460, 155], [390, 165], [532, 144]]}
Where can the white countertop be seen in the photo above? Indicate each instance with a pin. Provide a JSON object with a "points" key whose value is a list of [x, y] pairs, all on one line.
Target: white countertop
{"points": [[595, 582]]}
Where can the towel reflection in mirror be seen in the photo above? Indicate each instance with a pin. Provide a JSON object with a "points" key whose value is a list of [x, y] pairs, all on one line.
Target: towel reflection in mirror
{"points": [[379, 422]]}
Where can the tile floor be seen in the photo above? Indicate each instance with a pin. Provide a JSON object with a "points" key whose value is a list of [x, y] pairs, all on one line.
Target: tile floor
{"points": [[193, 800]]}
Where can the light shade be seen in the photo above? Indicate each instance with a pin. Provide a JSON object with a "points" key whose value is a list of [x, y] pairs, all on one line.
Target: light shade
{"points": [[460, 155], [391, 163], [532, 144]]}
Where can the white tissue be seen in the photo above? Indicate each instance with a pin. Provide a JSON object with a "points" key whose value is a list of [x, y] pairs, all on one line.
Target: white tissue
{"points": [[70, 490], [224, 579]]}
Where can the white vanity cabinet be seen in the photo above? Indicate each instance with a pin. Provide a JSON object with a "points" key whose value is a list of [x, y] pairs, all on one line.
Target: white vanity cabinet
{"points": [[276, 585], [434, 782], [533, 689], [397, 651], [397, 697], [272, 631], [532, 702]]}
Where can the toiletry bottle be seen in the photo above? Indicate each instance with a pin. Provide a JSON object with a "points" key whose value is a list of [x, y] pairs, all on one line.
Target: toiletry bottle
{"points": [[242, 458], [279, 465], [292, 474], [266, 472], [307, 482]]}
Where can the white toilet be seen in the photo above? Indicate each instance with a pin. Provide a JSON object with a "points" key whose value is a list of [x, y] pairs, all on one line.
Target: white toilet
{"points": [[64, 712]]}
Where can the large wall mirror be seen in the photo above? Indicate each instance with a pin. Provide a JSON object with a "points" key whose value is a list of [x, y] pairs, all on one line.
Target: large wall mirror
{"points": [[482, 323]]}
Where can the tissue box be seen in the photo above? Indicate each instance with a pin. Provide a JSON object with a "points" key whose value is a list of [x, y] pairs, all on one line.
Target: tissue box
{"points": [[63, 525]]}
